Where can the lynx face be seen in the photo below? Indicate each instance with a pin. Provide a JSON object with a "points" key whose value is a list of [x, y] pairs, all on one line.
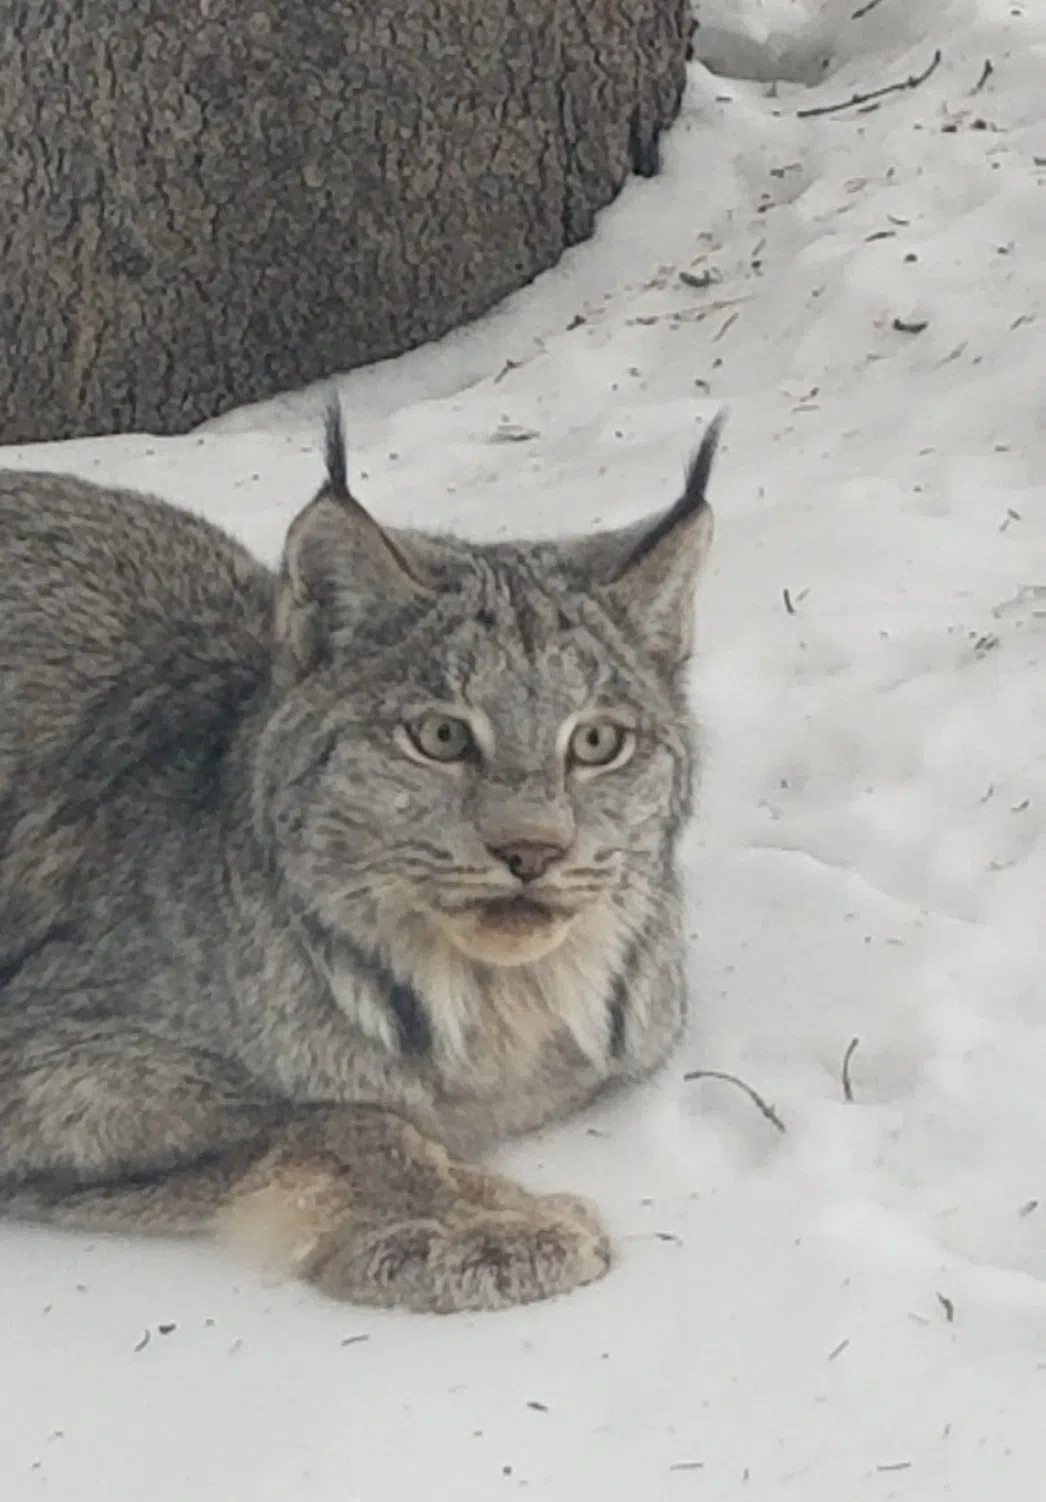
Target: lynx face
{"points": [[485, 743]]}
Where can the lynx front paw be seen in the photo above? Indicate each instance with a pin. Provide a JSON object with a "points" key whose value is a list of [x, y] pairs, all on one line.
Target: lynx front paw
{"points": [[573, 1208], [519, 1256], [474, 1260]]}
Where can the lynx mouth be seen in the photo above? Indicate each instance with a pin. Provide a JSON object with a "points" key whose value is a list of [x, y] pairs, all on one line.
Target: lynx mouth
{"points": [[512, 930], [517, 914]]}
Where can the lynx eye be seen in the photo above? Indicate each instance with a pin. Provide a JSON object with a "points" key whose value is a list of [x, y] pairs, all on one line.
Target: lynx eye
{"points": [[441, 737], [597, 743]]}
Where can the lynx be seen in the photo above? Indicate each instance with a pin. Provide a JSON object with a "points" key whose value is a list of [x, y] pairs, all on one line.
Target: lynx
{"points": [[315, 885]]}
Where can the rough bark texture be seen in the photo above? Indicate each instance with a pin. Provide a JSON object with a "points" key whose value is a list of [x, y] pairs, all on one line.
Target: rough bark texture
{"points": [[206, 203]]}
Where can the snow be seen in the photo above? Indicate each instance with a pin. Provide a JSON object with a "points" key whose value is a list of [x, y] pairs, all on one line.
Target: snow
{"points": [[855, 1307]]}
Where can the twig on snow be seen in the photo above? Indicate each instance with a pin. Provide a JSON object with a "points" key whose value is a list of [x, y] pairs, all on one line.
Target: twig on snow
{"points": [[986, 73], [863, 10], [911, 82], [848, 1088], [757, 1100]]}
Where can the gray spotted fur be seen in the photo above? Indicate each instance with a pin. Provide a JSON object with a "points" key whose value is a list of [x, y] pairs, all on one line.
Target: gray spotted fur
{"points": [[224, 1002]]}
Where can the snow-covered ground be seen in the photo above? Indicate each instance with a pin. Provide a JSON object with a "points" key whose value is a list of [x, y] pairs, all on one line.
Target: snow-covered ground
{"points": [[854, 1307]]}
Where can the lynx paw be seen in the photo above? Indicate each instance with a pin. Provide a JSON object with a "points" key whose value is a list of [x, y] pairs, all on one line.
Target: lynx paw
{"points": [[574, 1208], [474, 1260]]}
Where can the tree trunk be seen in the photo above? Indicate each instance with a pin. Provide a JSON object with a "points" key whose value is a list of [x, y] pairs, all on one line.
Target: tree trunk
{"points": [[208, 202]]}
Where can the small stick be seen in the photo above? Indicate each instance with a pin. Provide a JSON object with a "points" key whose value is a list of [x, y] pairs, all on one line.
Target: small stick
{"points": [[912, 82], [848, 1089], [863, 10], [786, 596], [753, 1095], [986, 73]]}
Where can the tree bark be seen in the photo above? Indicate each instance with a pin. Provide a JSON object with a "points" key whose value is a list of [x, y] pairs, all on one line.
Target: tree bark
{"points": [[208, 202]]}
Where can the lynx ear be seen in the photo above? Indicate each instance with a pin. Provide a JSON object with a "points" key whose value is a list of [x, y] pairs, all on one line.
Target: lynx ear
{"points": [[341, 572], [652, 578]]}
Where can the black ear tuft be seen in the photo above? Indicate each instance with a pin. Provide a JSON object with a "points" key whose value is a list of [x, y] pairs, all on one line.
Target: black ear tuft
{"points": [[342, 572], [699, 469], [334, 450], [692, 500]]}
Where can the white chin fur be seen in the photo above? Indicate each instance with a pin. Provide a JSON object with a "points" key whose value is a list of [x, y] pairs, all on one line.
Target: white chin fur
{"points": [[490, 944]]}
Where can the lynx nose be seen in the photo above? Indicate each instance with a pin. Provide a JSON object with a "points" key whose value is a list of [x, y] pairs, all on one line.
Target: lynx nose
{"points": [[528, 859]]}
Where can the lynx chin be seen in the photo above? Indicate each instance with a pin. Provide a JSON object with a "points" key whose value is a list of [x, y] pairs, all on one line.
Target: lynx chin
{"points": [[314, 885]]}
